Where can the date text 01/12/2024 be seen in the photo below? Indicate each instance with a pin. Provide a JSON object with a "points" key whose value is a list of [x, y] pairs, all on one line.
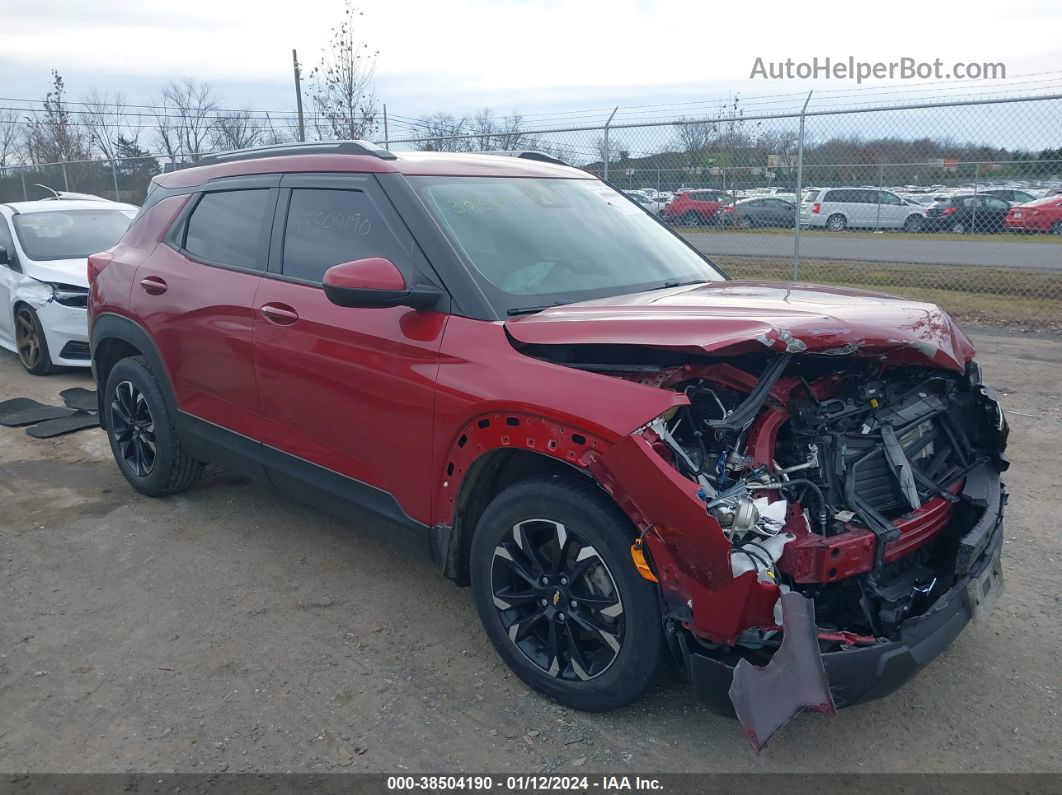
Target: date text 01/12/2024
{"points": [[518, 783]]}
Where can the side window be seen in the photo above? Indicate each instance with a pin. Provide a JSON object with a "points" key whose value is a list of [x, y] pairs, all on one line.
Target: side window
{"points": [[839, 196], [889, 198], [326, 227], [226, 228], [995, 203], [8, 243]]}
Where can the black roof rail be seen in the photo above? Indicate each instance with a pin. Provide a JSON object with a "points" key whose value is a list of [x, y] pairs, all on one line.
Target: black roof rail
{"points": [[282, 150], [527, 154]]}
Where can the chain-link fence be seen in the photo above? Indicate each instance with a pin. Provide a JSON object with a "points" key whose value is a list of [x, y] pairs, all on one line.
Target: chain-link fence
{"points": [[959, 203], [930, 201]]}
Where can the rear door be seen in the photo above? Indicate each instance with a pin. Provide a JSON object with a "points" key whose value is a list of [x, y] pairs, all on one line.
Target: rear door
{"points": [[195, 296], [346, 393], [993, 211]]}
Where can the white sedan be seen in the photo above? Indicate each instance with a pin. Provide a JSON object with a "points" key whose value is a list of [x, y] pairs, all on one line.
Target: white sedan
{"points": [[44, 250]]}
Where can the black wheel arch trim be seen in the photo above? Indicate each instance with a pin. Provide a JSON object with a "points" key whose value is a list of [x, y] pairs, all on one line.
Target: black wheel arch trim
{"points": [[110, 326]]}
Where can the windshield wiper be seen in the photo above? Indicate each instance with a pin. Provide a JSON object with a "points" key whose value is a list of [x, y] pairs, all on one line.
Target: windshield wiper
{"points": [[530, 310], [677, 283]]}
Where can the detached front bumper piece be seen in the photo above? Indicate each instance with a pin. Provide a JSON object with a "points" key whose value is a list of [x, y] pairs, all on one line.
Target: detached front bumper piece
{"points": [[866, 673]]}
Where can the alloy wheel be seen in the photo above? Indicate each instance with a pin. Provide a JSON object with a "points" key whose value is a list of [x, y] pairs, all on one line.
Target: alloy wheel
{"points": [[27, 338], [133, 429], [557, 600]]}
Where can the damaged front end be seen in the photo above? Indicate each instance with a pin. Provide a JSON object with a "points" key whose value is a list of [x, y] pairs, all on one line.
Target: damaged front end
{"points": [[821, 524]]}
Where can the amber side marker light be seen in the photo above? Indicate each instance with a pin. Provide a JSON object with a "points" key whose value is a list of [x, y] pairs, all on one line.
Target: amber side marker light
{"points": [[640, 563]]}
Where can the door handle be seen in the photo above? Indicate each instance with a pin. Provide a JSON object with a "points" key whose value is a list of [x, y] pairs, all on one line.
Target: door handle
{"points": [[153, 285], [278, 314]]}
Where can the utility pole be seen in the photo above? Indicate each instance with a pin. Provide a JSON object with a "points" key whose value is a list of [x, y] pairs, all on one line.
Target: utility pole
{"points": [[799, 190], [387, 141], [608, 146], [298, 95]]}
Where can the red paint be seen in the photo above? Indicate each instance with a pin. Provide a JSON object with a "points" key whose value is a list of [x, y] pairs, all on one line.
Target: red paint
{"points": [[1043, 215], [814, 558], [748, 317], [701, 205], [407, 401], [350, 389], [371, 273]]}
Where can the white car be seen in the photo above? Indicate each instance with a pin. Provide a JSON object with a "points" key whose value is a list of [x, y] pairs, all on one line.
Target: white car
{"points": [[650, 203], [859, 208], [44, 249]]}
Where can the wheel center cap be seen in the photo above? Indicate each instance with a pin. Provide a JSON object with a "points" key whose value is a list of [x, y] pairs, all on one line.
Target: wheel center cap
{"points": [[556, 598]]}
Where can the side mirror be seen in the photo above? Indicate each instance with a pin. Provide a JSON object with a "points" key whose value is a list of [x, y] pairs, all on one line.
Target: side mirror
{"points": [[374, 282]]}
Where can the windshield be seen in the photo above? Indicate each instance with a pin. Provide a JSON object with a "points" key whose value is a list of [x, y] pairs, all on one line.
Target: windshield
{"points": [[70, 234], [538, 242]]}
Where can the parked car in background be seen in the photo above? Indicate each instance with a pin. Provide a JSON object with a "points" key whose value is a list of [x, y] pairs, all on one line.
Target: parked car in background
{"points": [[44, 247], [1041, 215], [692, 207], [967, 212], [1012, 195], [859, 208], [648, 202], [757, 212]]}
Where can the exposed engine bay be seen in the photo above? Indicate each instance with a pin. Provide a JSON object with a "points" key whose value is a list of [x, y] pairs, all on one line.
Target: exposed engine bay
{"points": [[852, 482], [814, 450]]}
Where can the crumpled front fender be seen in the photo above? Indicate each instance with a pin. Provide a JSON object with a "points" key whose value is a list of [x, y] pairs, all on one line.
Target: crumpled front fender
{"points": [[690, 554]]}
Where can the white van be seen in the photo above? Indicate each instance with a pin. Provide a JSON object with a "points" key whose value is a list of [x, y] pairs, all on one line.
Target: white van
{"points": [[859, 208]]}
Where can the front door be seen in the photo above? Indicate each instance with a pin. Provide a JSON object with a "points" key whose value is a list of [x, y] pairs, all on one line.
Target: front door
{"points": [[9, 277], [349, 390]]}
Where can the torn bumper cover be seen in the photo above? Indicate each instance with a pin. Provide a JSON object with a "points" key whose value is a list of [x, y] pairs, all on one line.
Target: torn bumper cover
{"points": [[857, 674]]}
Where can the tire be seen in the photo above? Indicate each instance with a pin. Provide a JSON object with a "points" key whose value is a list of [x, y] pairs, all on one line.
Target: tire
{"points": [[141, 432], [837, 223], [1056, 228], [744, 222], [619, 644], [958, 228], [914, 223], [31, 343], [690, 218]]}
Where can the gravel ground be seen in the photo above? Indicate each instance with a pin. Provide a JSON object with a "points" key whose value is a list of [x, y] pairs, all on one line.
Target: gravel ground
{"points": [[229, 629]]}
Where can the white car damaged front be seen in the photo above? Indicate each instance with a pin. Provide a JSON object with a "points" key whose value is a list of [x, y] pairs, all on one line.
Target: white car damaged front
{"points": [[44, 246]]}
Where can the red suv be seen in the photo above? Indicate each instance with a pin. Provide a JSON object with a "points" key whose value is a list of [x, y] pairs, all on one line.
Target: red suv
{"points": [[692, 207], [570, 409]]}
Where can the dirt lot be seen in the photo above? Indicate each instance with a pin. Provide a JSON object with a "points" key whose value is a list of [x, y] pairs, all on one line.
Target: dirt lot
{"points": [[230, 629]]}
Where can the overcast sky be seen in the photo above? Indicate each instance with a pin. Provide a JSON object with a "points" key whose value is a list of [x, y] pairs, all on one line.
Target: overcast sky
{"points": [[513, 55]]}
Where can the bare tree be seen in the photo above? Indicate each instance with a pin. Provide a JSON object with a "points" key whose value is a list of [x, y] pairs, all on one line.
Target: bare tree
{"points": [[104, 120], [444, 132], [493, 133], [51, 134], [694, 138], [11, 133], [609, 150], [236, 129], [782, 144], [186, 116], [343, 84]]}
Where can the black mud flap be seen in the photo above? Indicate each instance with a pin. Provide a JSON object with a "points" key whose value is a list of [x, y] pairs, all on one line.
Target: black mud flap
{"points": [[766, 698]]}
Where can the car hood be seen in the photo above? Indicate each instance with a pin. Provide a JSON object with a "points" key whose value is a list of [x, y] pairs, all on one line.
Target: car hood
{"points": [[66, 271], [737, 317]]}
